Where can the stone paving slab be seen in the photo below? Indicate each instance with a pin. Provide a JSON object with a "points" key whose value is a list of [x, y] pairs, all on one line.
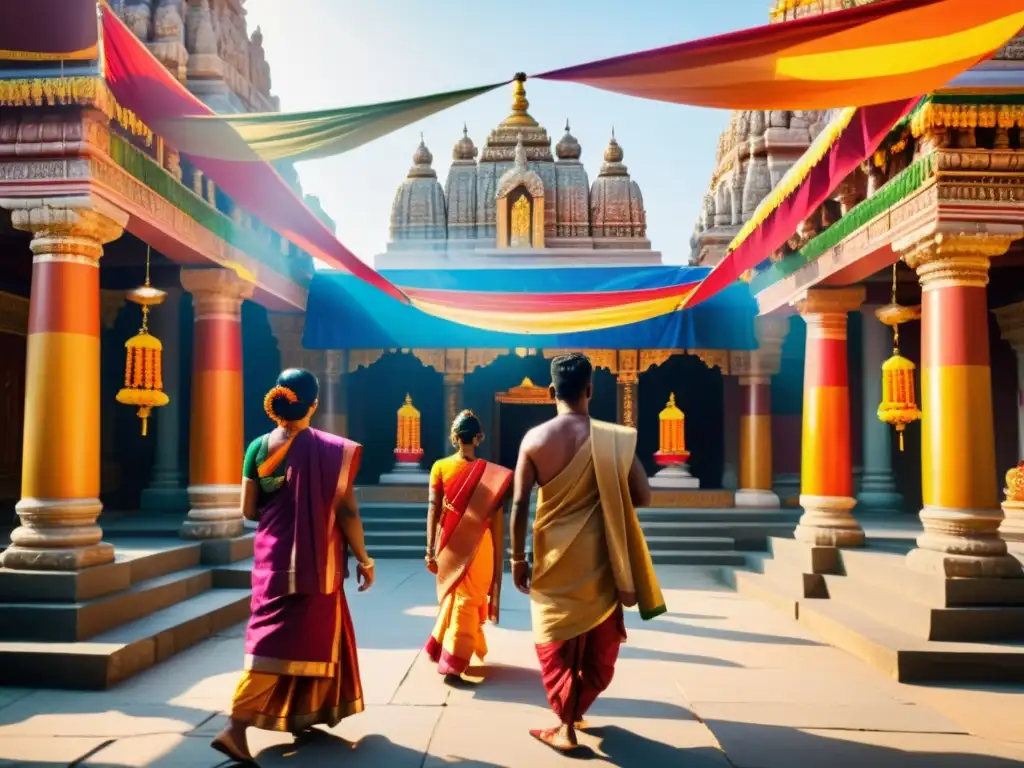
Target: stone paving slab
{"points": [[24, 751], [750, 745], [718, 672]]}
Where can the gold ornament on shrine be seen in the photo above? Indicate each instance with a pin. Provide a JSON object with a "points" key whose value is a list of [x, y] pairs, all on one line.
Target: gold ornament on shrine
{"points": [[672, 435], [408, 449], [143, 377], [1015, 484], [899, 400]]}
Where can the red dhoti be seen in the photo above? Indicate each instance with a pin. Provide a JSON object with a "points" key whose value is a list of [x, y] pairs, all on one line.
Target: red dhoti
{"points": [[575, 672]]}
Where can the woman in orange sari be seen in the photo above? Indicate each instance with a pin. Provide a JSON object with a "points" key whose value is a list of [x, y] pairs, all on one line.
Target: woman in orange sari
{"points": [[464, 548], [301, 667]]}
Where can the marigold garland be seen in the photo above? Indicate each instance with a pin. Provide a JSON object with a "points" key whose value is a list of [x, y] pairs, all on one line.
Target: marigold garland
{"points": [[272, 395]]}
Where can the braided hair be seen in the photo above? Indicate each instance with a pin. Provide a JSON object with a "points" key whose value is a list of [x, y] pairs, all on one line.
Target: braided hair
{"points": [[466, 429]]}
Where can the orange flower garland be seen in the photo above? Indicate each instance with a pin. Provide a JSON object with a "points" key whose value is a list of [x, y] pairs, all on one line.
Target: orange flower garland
{"points": [[272, 395]]}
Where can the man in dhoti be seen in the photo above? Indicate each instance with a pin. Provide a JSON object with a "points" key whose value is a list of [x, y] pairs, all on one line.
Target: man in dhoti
{"points": [[590, 556]]}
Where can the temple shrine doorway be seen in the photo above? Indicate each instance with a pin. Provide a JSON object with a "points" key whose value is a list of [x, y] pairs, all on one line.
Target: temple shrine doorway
{"points": [[515, 413]]}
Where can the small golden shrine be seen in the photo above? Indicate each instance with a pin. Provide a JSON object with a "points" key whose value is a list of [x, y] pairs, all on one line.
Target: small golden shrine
{"points": [[672, 435], [526, 393], [407, 445]]}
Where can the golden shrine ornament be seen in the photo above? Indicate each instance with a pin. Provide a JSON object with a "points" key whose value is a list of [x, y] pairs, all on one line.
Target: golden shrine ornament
{"points": [[899, 399], [407, 444], [672, 435], [143, 374]]}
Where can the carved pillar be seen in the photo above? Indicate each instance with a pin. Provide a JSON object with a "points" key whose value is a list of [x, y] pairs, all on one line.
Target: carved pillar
{"points": [[287, 329], [826, 474], [453, 384], [60, 480], [1011, 326], [166, 491], [217, 434], [755, 422], [731, 395], [877, 492], [961, 512], [332, 415], [626, 412]]}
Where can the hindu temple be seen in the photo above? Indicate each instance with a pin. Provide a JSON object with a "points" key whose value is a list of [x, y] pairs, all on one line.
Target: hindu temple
{"points": [[840, 431]]}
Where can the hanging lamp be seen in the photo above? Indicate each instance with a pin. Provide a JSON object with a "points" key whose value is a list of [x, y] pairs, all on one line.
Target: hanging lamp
{"points": [[899, 400], [143, 377]]}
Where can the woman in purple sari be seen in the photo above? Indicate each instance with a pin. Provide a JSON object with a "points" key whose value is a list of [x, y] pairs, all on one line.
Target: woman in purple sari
{"points": [[300, 651]]}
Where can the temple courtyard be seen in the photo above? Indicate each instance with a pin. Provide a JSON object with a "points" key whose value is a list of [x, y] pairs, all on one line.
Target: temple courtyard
{"points": [[721, 680]]}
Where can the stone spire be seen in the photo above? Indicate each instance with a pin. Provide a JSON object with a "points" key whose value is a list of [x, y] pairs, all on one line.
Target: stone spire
{"points": [[572, 205], [419, 210], [616, 205], [460, 190], [568, 148], [464, 148]]}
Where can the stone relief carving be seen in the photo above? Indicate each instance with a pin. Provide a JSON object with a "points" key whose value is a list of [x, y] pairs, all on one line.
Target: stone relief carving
{"points": [[168, 21], [136, 16], [200, 36]]}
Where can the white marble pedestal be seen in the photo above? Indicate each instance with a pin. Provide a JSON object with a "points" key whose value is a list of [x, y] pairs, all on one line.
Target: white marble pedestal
{"points": [[675, 476], [405, 473]]}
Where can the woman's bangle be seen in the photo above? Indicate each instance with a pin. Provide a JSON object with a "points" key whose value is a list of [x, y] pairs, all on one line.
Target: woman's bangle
{"points": [[367, 564], [518, 559]]}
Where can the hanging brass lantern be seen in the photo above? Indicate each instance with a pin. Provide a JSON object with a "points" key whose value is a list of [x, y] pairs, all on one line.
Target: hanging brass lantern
{"points": [[143, 375], [899, 400]]}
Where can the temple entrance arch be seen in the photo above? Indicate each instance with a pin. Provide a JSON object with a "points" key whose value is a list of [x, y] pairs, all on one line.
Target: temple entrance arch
{"points": [[519, 213], [516, 411]]}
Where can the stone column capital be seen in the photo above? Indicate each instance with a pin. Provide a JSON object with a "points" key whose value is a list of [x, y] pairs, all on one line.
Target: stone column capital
{"points": [[1011, 324], [287, 325], [829, 301], [216, 292], [66, 229], [947, 258]]}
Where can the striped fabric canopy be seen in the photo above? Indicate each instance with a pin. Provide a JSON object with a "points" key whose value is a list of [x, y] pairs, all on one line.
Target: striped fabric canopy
{"points": [[890, 52]]}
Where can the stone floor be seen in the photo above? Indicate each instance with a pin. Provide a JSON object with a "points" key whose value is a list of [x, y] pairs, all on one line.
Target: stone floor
{"points": [[718, 681]]}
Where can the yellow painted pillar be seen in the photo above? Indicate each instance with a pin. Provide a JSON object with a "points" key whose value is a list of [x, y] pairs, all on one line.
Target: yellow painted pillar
{"points": [[60, 476], [217, 432], [959, 487], [826, 473]]}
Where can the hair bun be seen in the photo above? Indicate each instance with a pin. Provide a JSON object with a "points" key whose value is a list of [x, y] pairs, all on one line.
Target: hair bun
{"points": [[276, 403]]}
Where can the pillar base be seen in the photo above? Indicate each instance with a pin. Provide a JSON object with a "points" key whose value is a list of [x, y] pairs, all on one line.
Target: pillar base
{"points": [[674, 476], [878, 494], [828, 521], [165, 500], [57, 535], [215, 513], [962, 543], [1011, 530], [759, 499]]}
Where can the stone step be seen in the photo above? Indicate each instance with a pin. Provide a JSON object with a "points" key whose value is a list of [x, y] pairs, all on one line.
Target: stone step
{"points": [[691, 543], [887, 568], [383, 510], [394, 523], [377, 540], [747, 515], [906, 658], [119, 653], [699, 557], [963, 624], [795, 580], [71, 621], [783, 597], [746, 536]]}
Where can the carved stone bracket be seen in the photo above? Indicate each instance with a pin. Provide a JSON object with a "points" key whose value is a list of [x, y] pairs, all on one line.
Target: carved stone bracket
{"points": [[481, 358], [712, 358], [363, 358], [949, 255]]}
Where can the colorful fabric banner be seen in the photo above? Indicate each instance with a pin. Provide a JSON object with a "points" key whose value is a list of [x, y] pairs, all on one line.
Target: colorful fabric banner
{"points": [[885, 51], [849, 140], [143, 85], [302, 135], [346, 313], [48, 30]]}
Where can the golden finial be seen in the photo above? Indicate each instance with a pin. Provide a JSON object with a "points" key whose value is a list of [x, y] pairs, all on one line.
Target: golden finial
{"points": [[520, 104]]}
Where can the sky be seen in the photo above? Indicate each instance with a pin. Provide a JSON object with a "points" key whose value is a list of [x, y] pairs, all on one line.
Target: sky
{"points": [[334, 53]]}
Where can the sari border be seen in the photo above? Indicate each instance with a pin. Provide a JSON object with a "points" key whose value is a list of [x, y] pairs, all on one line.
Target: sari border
{"points": [[329, 716], [653, 613], [289, 667]]}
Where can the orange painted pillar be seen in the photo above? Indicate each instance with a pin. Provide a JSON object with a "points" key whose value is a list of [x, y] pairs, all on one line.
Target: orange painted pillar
{"points": [[216, 426], [826, 473], [60, 476], [959, 482]]}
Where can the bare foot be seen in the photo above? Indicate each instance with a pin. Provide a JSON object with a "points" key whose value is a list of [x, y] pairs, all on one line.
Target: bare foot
{"points": [[229, 742], [560, 739]]}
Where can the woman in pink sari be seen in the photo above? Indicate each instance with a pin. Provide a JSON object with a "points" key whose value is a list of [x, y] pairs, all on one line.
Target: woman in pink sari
{"points": [[464, 548], [301, 667]]}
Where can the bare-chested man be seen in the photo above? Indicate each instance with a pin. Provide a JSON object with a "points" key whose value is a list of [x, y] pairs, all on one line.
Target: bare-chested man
{"points": [[588, 473]]}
